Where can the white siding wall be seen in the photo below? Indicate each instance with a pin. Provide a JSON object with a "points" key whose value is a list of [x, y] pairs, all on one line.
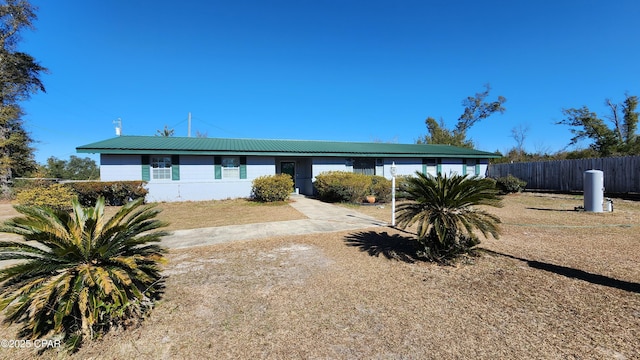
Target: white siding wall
{"points": [[323, 164], [260, 166], [404, 166], [197, 181], [452, 166], [197, 174], [484, 164], [195, 168], [120, 167], [196, 177], [198, 191]]}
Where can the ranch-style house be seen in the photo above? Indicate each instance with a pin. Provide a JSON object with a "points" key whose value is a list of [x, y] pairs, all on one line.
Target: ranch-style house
{"points": [[192, 169]]}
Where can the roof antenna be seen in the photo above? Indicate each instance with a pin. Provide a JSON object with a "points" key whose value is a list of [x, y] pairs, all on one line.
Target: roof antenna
{"points": [[118, 124]]}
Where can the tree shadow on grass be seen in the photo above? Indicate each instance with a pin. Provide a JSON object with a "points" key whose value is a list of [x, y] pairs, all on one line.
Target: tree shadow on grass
{"points": [[393, 247], [576, 273]]}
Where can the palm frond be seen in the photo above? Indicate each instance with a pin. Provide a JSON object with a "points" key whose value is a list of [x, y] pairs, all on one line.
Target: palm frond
{"points": [[79, 271], [444, 208]]}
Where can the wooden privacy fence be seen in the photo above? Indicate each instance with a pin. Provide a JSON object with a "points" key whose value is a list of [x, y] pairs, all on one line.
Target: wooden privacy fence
{"points": [[621, 174]]}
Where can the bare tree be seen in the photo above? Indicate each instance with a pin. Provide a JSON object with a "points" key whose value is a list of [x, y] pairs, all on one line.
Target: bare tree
{"points": [[519, 134], [614, 117], [541, 149]]}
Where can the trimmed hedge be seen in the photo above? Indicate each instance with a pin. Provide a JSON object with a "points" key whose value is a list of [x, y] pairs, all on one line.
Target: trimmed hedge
{"points": [[55, 196], [115, 193], [271, 188], [342, 186], [20, 185]]}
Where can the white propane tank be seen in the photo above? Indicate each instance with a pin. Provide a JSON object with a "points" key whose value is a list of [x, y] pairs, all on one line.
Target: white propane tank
{"points": [[593, 190]]}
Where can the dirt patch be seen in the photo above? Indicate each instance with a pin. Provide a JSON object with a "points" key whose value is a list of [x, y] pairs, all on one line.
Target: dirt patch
{"points": [[7, 211]]}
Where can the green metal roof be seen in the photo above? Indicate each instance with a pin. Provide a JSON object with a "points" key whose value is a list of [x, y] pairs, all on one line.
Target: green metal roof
{"points": [[217, 146]]}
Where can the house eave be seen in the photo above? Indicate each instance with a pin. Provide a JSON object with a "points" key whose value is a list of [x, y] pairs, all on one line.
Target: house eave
{"points": [[282, 154]]}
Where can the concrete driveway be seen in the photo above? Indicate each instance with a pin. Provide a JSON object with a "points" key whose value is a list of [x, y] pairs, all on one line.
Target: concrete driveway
{"points": [[322, 218]]}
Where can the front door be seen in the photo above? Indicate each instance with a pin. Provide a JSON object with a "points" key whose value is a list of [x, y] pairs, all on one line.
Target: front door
{"points": [[289, 167]]}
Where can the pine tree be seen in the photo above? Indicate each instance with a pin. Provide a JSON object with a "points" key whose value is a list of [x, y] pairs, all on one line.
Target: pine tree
{"points": [[476, 108], [619, 139], [19, 79]]}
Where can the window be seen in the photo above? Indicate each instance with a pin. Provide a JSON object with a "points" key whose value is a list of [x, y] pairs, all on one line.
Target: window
{"points": [[430, 166], [230, 167], [365, 166], [161, 167], [471, 167]]}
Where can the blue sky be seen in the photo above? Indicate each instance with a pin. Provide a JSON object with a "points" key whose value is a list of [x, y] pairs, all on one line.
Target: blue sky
{"points": [[325, 69]]}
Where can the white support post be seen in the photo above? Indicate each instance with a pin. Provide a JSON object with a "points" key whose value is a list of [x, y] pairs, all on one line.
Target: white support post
{"points": [[393, 201], [393, 193], [189, 126]]}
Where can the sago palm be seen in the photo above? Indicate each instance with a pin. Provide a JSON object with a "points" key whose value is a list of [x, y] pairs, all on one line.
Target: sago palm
{"points": [[444, 210], [79, 273]]}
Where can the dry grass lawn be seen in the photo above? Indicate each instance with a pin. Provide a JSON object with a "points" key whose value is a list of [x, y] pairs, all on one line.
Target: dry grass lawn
{"points": [[194, 214], [559, 284]]}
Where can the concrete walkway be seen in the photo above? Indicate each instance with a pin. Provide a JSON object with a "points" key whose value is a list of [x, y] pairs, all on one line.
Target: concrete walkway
{"points": [[322, 218]]}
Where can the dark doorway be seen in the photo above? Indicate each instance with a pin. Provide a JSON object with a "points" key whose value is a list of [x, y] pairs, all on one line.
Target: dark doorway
{"points": [[289, 167]]}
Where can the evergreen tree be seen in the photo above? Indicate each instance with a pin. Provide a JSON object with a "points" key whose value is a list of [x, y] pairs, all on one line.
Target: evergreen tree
{"points": [[475, 109], [74, 169], [630, 116], [621, 139], [19, 79]]}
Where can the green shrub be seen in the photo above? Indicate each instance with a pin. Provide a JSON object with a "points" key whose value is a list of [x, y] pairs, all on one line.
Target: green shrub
{"points": [[381, 188], [510, 184], [341, 186], [444, 210], [115, 193], [272, 188], [55, 196]]}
